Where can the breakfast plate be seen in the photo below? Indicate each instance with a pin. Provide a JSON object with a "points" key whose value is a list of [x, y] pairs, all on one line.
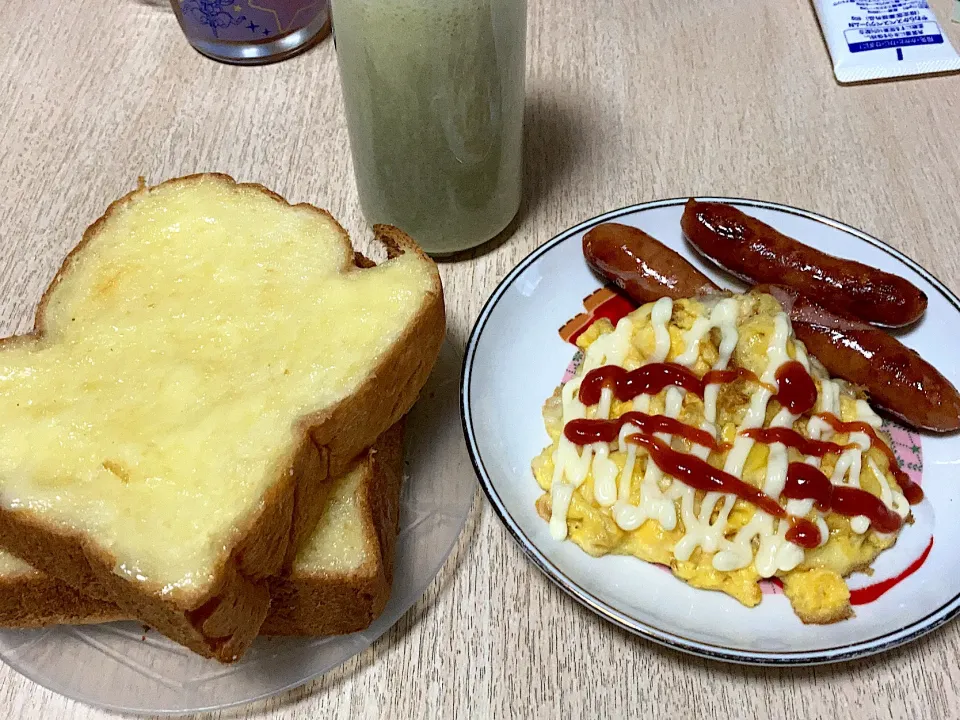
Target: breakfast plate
{"points": [[515, 358], [123, 667]]}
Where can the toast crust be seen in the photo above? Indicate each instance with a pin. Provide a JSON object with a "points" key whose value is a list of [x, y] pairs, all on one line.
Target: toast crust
{"points": [[35, 600], [222, 621], [330, 603]]}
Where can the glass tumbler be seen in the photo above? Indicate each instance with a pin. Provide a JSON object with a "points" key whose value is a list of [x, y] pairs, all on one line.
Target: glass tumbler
{"points": [[251, 32], [433, 92]]}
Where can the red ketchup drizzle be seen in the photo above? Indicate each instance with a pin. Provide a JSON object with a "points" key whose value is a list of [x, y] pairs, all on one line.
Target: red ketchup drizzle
{"points": [[807, 482], [645, 380], [700, 475], [651, 379], [791, 438], [911, 491], [613, 309], [864, 595], [797, 392], [804, 533], [584, 431]]}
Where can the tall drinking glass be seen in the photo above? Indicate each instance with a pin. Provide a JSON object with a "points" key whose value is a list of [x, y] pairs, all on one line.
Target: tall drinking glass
{"points": [[433, 92]]}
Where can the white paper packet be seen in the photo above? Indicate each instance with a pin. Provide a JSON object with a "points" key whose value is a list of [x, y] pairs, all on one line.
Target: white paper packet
{"points": [[875, 39]]}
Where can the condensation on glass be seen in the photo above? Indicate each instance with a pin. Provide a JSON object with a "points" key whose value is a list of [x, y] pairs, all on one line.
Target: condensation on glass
{"points": [[252, 32]]}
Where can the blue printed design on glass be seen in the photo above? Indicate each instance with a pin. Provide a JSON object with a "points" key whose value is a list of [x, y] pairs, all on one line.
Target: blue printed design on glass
{"points": [[215, 14]]}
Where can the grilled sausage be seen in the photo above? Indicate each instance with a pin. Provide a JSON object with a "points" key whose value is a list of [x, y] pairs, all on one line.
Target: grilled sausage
{"points": [[897, 378], [757, 253], [642, 267]]}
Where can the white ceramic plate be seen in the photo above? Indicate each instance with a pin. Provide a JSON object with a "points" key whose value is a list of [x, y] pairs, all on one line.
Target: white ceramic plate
{"points": [[515, 359], [120, 667]]}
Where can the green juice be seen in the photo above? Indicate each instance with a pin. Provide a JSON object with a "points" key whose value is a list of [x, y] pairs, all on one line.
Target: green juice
{"points": [[433, 91]]}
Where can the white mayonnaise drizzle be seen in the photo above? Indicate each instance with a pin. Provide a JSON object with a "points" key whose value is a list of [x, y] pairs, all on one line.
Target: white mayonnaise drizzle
{"points": [[776, 477], [660, 318], [654, 504], [829, 397], [847, 472], [723, 316], [866, 414], [560, 495], [801, 356], [569, 464], [661, 497], [891, 497]]}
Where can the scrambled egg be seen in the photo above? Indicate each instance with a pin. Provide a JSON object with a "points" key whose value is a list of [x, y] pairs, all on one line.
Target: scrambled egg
{"points": [[814, 584]]}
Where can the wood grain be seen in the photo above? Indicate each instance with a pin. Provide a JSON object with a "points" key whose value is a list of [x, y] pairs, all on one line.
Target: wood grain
{"points": [[627, 101]]}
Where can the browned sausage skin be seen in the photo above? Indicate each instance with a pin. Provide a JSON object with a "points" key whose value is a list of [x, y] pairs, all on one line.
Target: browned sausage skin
{"points": [[643, 267], [757, 253], [897, 378]]}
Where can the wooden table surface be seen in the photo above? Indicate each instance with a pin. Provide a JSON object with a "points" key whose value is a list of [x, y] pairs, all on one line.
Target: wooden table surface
{"points": [[627, 101]]}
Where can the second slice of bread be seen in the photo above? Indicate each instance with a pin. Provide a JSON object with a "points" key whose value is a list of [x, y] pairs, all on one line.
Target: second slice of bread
{"points": [[204, 364], [342, 576], [339, 583]]}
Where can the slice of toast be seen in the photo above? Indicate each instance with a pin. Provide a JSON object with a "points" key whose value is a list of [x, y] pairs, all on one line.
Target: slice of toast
{"points": [[206, 361], [339, 582]]}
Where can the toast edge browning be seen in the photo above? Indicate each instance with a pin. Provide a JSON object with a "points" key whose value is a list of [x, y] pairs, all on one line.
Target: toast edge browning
{"points": [[37, 600], [223, 621]]}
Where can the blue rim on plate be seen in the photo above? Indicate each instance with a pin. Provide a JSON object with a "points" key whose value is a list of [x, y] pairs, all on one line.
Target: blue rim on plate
{"points": [[850, 651]]}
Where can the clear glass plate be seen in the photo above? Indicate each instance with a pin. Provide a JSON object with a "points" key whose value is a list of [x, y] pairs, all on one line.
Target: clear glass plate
{"points": [[120, 667]]}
